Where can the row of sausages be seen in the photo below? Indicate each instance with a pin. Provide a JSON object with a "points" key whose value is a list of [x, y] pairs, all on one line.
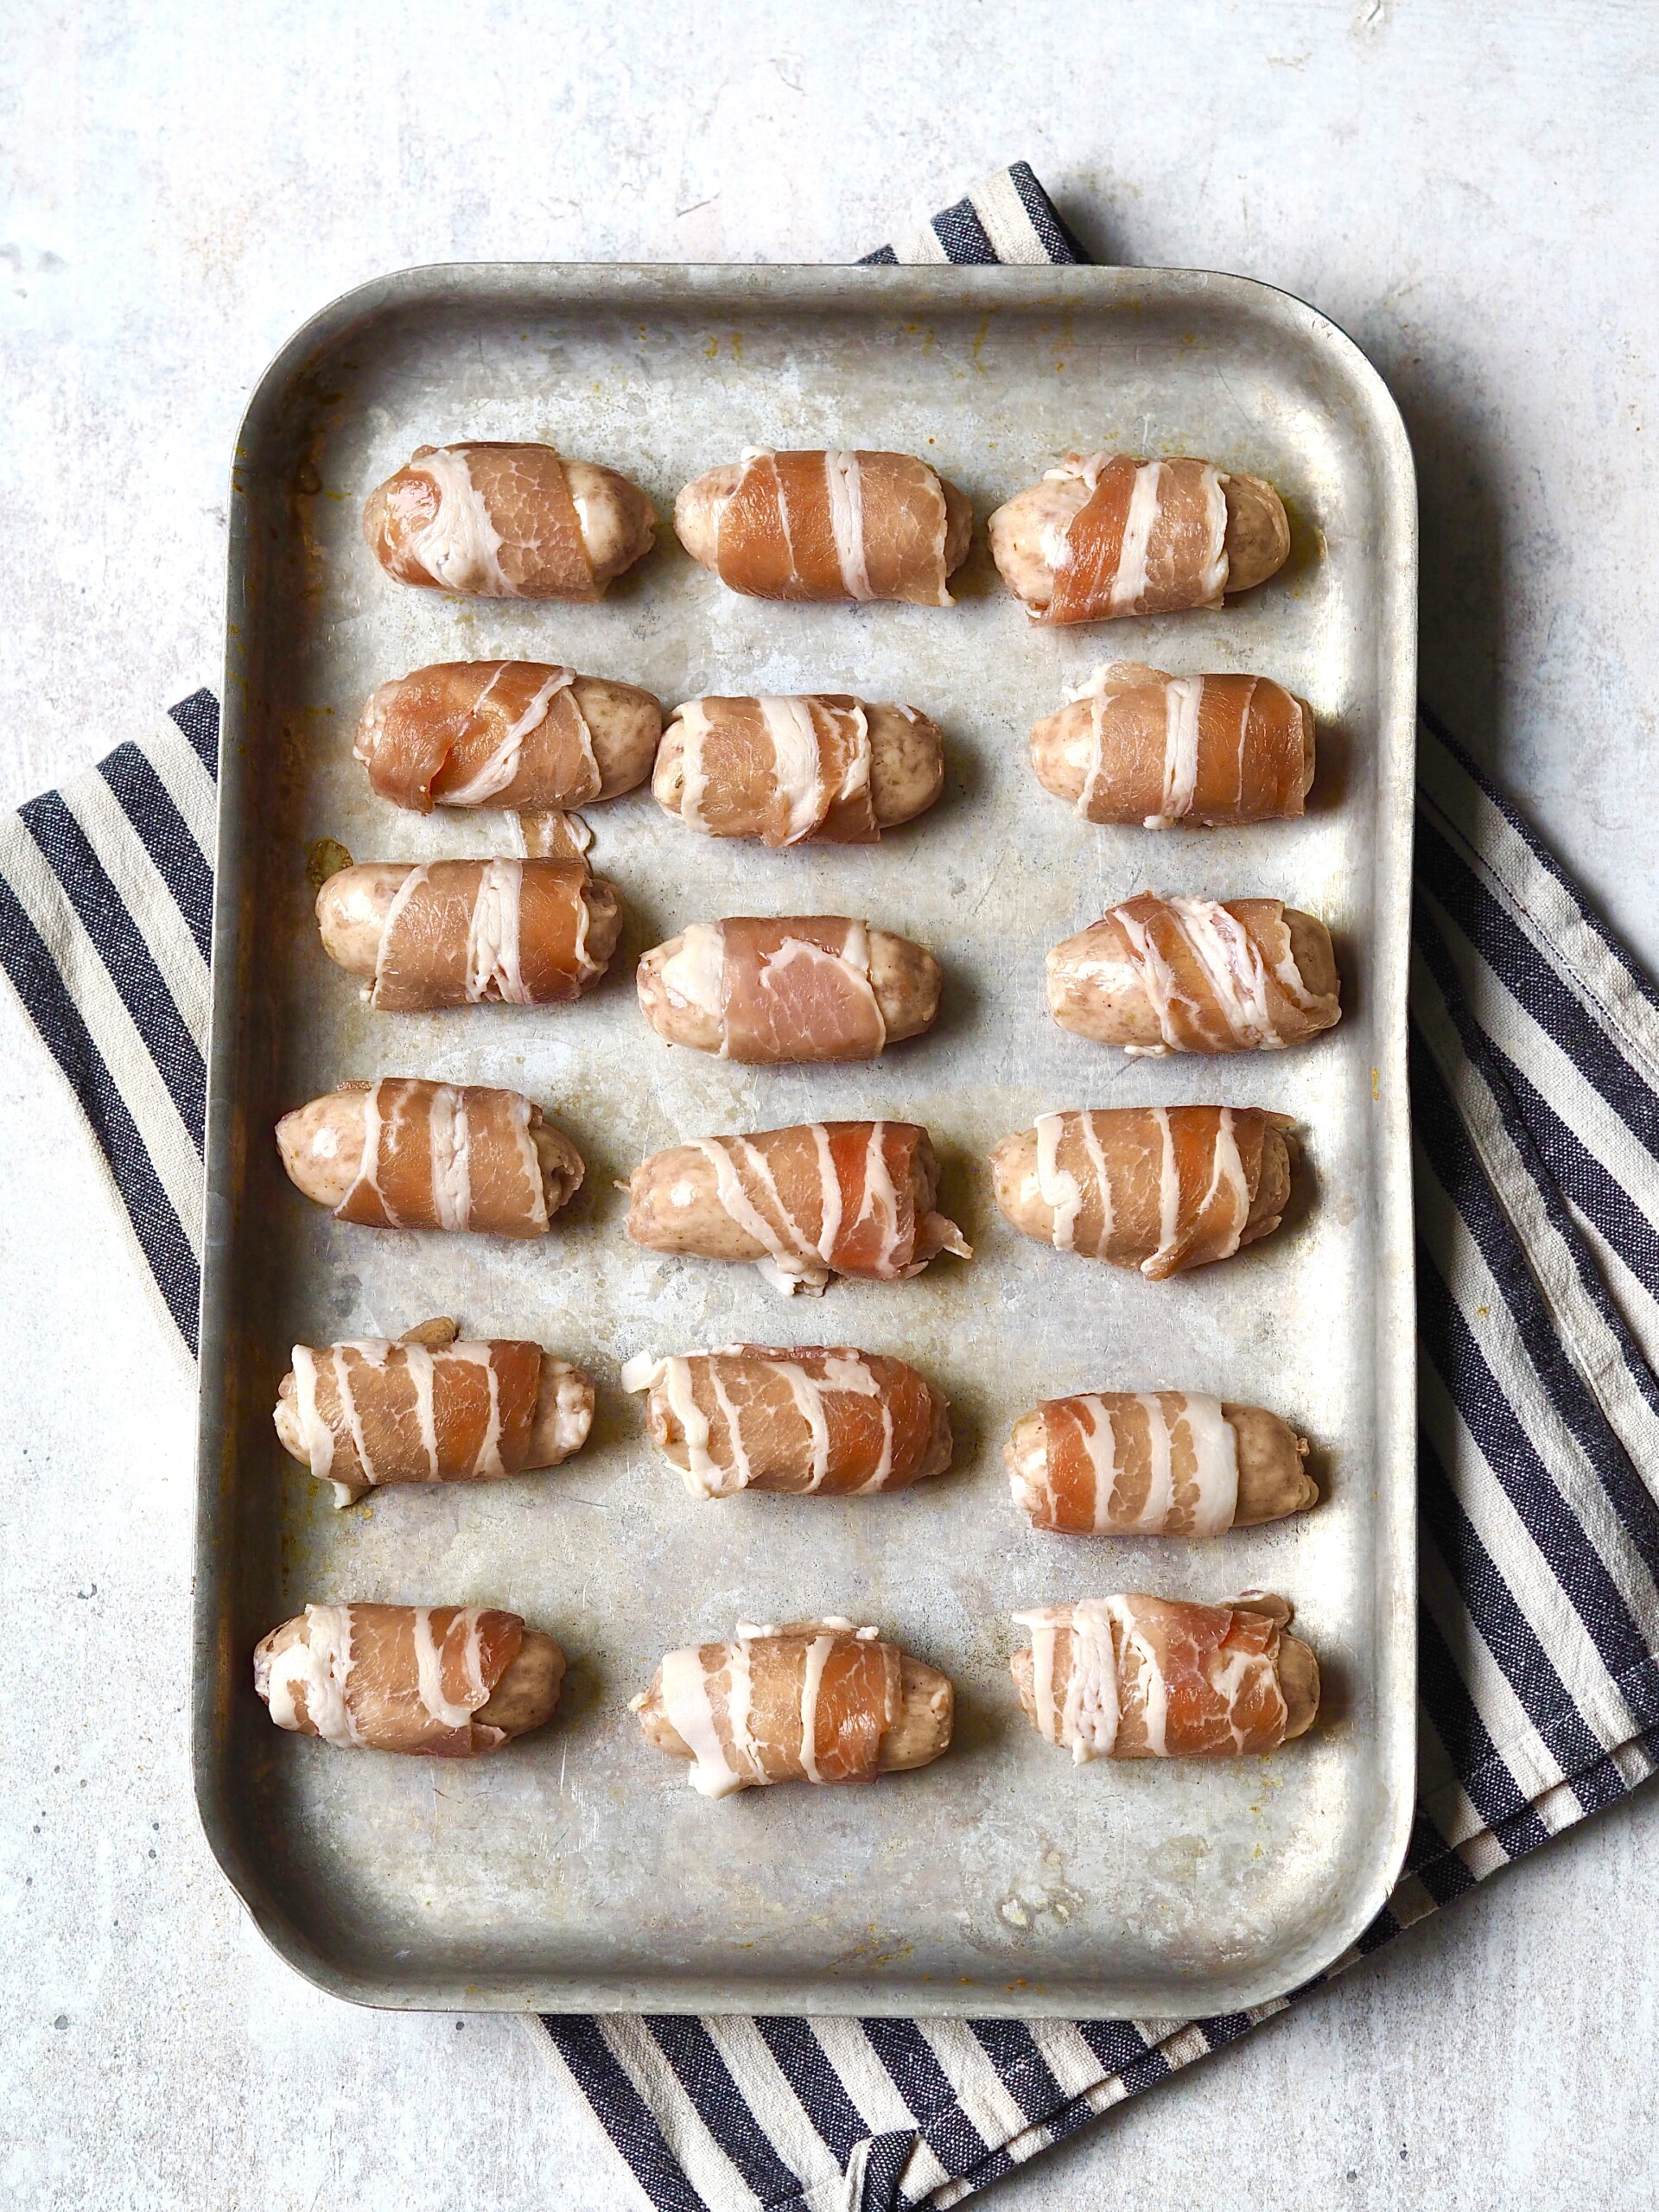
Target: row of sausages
{"points": [[1153, 975], [1103, 535], [1158, 1189], [808, 1419], [1128, 1676], [1132, 744]]}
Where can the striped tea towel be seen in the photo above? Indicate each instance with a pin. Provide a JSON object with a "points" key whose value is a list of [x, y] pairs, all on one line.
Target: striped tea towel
{"points": [[1535, 1092]]}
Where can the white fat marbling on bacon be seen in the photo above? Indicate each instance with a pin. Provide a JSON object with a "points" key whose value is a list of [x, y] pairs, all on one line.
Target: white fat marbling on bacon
{"points": [[368, 1165], [1087, 1723], [497, 772], [1169, 1193], [429, 1664], [808, 1403], [451, 1157], [850, 1372], [817, 1655], [1060, 1190], [851, 965], [1130, 580], [691, 1715], [460, 547], [694, 776], [1215, 1446], [830, 1190], [1212, 577], [790, 1266], [315, 1434], [494, 965], [880, 1201], [319, 1663], [1227, 1166], [1100, 1440], [1182, 698], [488, 1460], [844, 482], [798, 766], [1233, 967], [1150, 1687], [695, 974], [702, 1472]]}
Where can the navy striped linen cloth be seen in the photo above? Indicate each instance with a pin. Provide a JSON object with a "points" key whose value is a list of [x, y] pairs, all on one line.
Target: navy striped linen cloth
{"points": [[1535, 1091]]}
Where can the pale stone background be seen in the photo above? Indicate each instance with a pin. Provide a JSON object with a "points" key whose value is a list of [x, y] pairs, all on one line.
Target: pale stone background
{"points": [[1470, 191]]}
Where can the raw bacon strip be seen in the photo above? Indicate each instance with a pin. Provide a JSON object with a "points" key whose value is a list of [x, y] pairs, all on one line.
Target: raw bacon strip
{"points": [[835, 525], [808, 1202], [789, 770], [1159, 1188], [1149, 540], [1151, 1678], [797, 988], [504, 733], [471, 932], [442, 1155], [1213, 749], [371, 1412], [1212, 977], [1151, 1463], [492, 520], [807, 1702], [394, 1678], [809, 1418]]}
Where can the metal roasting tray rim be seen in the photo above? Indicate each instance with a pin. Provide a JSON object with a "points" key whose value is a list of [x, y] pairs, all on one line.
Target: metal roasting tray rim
{"points": [[323, 1939]]}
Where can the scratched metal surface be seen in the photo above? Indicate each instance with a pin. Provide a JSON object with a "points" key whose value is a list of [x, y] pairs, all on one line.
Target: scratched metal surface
{"points": [[577, 1869]]}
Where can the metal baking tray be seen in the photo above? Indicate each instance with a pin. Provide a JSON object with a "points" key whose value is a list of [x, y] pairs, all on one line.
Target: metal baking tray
{"points": [[576, 1871]]}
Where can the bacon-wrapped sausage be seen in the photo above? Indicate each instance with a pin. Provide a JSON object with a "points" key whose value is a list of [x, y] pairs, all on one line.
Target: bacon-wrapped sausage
{"points": [[1160, 975], [1105, 536], [1136, 745], [802, 1204], [806, 1417], [827, 526], [1154, 1463], [521, 734], [1156, 1678], [429, 1408], [1159, 1188], [449, 1681], [803, 986], [530, 932], [823, 769], [406, 1154], [501, 521], [811, 1701]]}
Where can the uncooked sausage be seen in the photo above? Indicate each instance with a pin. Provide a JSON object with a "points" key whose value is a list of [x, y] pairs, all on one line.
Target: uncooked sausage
{"points": [[1159, 975], [821, 768], [805, 1418], [795, 989], [1105, 536], [1137, 1677], [1137, 745], [493, 520], [530, 932], [810, 1701], [407, 1153], [1154, 1463], [802, 1204], [1158, 1188], [447, 1680], [429, 1408], [827, 526], [522, 734]]}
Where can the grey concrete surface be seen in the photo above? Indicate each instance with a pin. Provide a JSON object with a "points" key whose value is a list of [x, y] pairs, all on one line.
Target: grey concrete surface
{"points": [[1470, 191]]}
